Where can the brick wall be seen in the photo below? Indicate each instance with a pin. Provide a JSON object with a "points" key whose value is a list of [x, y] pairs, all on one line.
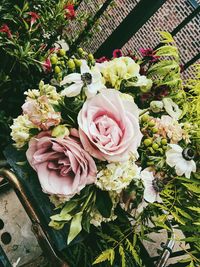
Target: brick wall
{"points": [[168, 17]]}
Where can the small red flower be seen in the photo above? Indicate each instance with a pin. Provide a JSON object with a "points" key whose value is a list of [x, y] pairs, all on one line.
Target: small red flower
{"points": [[70, 12], [6, 29], [161, 92], [145, 97], [117, 53], [47, 65], [149, 54], [34, 17], [102, 59]]}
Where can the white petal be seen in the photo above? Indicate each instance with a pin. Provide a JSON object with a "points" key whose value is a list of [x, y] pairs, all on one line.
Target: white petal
{"points": [[93, 88], [172, 108], [72, 90], [150, 194], [172, 158], [176, 148], [71, 78], [181, 167], [191, 167], [84, 67], [96, 75]]}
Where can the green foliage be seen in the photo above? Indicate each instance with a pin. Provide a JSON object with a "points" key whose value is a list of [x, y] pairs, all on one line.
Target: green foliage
{"points": [[193, 103], [133, 251], [167, 70], [166, 37], [75, 226], [24, 49], [192, 187], [108, 254], [103, 203], [123, 256], [185, 216], [167, 51]]}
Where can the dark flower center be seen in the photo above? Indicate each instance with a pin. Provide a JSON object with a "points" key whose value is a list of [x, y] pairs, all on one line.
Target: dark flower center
{"points": [[188, 153], [157, 185], [86, 78]]}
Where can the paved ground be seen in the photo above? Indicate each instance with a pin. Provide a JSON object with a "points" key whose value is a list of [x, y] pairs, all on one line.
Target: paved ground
{"points": [[17, 238]]}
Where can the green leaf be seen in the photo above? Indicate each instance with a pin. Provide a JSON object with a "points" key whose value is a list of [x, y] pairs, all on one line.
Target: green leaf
{"points": [[191, 264], [196, 223], [21, 163], [108, 238], [185, 260], [75, 227], [59, 217], [104, 203], [163, 67], [133, 251], [183, 213], [191, 239], [122, 254], [162, 225], [167, 37], [197, 209], [69, 206], [192, 187], [167, 51], [56, 225], [177, 218], [112, 257], [108, 254], [86, 223]]}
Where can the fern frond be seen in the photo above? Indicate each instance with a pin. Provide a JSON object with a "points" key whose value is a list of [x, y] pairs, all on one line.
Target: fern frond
{"points": [[133, 251], [108, 254], [122, 254]]}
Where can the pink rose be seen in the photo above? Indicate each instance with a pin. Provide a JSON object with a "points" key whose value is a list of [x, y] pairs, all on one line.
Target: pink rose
{"points": [[109, 126], [41, 113], [62, 165]]}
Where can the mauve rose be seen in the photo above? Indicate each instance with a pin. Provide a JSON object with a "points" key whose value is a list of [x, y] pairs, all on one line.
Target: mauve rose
{"points": [[109, 126], [62, 165]]}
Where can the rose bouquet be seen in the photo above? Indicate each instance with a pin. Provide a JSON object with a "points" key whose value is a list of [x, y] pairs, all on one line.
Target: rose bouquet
{"points": [[115, 144]]}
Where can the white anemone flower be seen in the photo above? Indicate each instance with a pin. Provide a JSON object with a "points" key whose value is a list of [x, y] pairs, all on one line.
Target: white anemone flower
{"points": [[151, 186], [181, 160], [172, 108], [90, 78]]}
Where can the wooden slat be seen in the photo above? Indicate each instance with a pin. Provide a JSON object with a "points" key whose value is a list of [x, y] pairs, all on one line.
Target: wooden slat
{"points": [[191, 61], [182, 24], [130, 25], [186, 21], [90, 24]]}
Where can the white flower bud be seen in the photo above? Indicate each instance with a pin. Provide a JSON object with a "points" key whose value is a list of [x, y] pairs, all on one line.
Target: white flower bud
{"points": [[156, 106]]}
